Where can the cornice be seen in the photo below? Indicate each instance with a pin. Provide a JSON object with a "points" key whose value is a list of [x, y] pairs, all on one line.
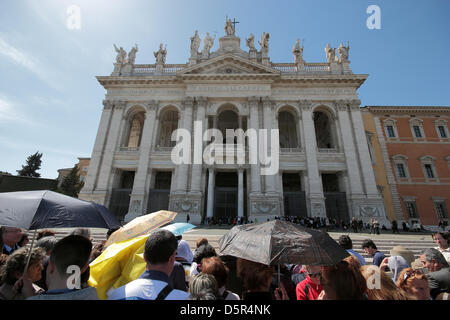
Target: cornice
{"points": [[408, 109]]}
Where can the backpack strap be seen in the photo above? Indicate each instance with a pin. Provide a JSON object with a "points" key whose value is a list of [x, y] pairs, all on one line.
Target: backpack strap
{"points": [[225, 294], [306, 291], [164, 292]]}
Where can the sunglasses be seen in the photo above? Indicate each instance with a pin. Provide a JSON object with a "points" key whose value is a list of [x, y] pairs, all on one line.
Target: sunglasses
{"points": [[409, 274], [315, 275]]}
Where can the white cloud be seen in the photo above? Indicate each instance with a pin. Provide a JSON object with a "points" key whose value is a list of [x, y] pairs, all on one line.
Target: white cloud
{"points": [[9, 112], [25, 60]]}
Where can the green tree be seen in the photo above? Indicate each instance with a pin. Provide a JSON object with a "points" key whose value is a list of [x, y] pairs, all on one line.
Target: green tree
{"points": [[71, 184], [32, 166]]}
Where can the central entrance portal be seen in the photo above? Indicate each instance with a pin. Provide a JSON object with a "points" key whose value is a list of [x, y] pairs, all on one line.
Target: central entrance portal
{"points": [[226, 195]]}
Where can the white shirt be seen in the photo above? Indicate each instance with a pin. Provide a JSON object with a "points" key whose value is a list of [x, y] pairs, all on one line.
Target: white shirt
{"points": [[445, 253]]}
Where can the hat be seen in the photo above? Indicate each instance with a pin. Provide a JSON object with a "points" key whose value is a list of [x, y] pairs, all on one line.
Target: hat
{"points": [[407, 254], [184, 251], [396, 264]]}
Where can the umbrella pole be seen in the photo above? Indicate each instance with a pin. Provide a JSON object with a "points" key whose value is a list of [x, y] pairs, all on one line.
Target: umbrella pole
{"points": [[29, 253]]}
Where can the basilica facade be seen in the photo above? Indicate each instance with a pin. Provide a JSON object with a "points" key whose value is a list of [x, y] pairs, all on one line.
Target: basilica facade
{"points": [[324, 167]]}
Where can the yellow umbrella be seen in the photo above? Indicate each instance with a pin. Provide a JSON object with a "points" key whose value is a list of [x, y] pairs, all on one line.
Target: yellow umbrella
{"points": [[141, 225], [119, 264]]}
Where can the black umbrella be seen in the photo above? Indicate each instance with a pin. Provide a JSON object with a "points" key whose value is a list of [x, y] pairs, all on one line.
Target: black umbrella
{"points": [[33, 210], [41, 209], [277, 242]]}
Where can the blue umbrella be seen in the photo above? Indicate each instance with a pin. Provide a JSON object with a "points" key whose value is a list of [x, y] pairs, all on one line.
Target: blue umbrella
{"points": [[178, 228]]}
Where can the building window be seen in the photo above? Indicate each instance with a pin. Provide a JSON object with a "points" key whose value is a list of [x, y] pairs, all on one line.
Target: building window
{"points": [[401, 170], [417, 128], [440, 208], [400, 163], [411, 209], [390, 130], [442, 132], [417, 132], [429, 171]]}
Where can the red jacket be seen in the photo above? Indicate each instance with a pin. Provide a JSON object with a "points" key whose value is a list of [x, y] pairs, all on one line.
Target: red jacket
{"points": [[313, 290]]}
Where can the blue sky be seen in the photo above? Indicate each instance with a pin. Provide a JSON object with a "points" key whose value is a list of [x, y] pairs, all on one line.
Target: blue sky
{"points": [[51, 102]]}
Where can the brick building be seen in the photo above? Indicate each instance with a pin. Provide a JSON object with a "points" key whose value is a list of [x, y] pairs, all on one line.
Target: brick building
{"points": [[414, 144]]}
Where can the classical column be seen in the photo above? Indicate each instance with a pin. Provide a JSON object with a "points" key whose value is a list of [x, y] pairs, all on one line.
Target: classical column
{"points": [[183, 169], [363, 150], [240, 192], [270, 183], [315, 196], [97, 153], [211, 181], [353, 170], [197, 167], [137, 205], [254, 167], [104, 179]]}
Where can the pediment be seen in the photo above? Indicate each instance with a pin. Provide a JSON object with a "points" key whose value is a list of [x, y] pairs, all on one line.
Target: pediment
{"points": [[229, 64]]}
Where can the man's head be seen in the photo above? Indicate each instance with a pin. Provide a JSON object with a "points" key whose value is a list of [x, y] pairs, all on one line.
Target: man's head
{"points": [[345, 242], [369, 247], [315, 273], [433, 260], [70, 251], [441, 239], [160, 250], [11, 236]]}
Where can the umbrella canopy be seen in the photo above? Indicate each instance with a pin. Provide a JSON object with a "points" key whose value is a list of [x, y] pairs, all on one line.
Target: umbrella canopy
{"points": [[178, 228], [141, 225], [277, 242], [33, 210]]}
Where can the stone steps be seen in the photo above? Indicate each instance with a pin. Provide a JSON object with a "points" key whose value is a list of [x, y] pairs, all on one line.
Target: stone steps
{"points": [[383, 244]]}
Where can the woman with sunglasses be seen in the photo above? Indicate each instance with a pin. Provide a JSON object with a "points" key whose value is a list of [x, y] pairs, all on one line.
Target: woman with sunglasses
{"points": [[310, 288], [414, 282]]}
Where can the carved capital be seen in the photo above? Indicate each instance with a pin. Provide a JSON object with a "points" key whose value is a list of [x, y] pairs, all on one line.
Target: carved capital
{"points": [[201, 101], [341, 105], [188, 102], [120, 104], [355, 104], [107, 104], [152, 105], [305, 105], [253, 101]]}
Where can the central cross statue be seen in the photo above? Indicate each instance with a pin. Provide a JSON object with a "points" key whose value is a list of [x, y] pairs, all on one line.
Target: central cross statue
{"points": [[230, 26]]}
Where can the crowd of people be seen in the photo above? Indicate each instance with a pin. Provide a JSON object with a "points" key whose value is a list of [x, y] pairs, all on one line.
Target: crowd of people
{"points": [[174, 272]]}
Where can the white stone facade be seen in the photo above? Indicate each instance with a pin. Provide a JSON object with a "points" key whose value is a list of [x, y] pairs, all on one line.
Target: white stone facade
{"points": [[256, 91]]}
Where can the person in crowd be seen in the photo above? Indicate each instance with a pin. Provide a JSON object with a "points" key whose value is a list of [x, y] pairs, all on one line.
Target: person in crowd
{"points": [[68, 260], [298, 274], [45, 233], [394, 264], [439, 271], [342, 282], [442, 240], [404, 252], [3, 257], [381, 287], [346, 243], [311, 287], [204, 251], [217, 268], [203, 286], [184, 253], [159, 253], [178, 278], [256, 278], [97, 250], [414, 282], [46, 243], [24, 240], [354, 224], [234, 283], [394, 226], [283, 275], [13, 269], [370, 248], [84, 232], [10, 238], [110, 232]]}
